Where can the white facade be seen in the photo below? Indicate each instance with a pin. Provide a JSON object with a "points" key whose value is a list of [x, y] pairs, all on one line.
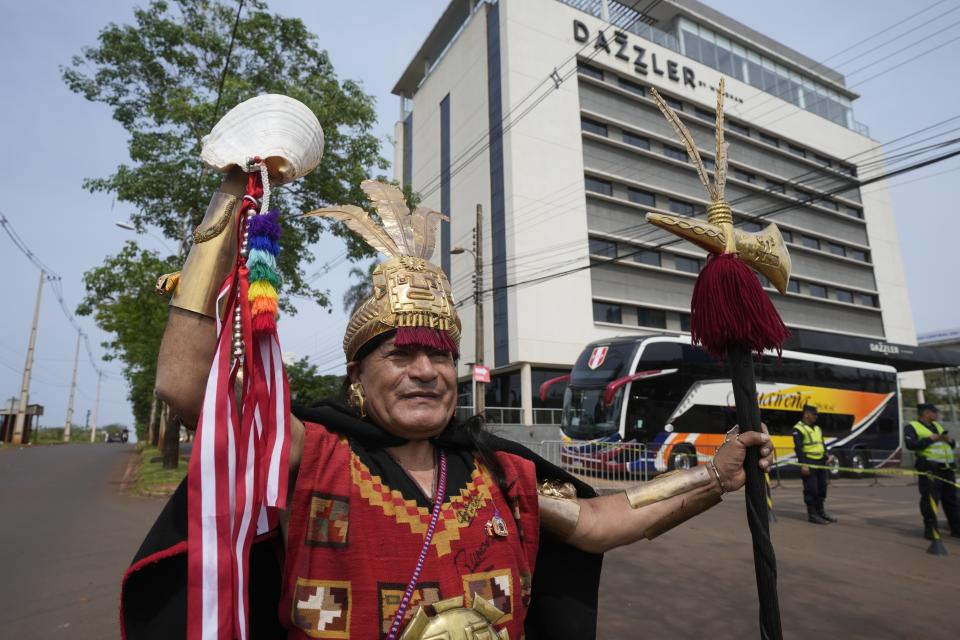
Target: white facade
{"points": [[546, 226]]}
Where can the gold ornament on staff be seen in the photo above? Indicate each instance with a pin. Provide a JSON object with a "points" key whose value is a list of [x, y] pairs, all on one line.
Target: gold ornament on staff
{"points": [[763, 250]]}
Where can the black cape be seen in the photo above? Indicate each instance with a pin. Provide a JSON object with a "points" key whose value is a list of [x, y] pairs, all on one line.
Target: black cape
{"points": [[154, 600]]}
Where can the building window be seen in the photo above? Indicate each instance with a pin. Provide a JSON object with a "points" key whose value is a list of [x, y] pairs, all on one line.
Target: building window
{"points": [[751, 226], [633, 87], [868, 299], [675, 104], [685, 322], [837, 249], [647, 256], [856, 213], [651, 318], [803, 196], [604, 312], [827, 162], [829, 204], [709, 116], [787, 235], [730, 125], [818, 291], [635, 140], [746, 176], [599, 186], [764, 281], [793, 286], [849, 170], [709, 164], [770, 140], [589, 70], [673, 152], [807, 241], [681, 207], [604, 248], [859, 254], [642, 197], [800, 151], [688, 265], [844, 296], [591, 126], [776, 187]]}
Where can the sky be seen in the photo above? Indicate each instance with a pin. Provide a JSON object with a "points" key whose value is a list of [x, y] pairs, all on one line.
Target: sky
{"points": [[53, 139]]}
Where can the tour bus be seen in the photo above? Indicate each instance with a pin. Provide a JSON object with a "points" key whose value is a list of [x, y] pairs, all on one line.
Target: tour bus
{"points": [[676, 401]]}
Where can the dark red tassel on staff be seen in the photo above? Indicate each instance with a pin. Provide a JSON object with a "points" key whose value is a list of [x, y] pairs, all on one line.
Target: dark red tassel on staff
{"points": [[729, 307]]}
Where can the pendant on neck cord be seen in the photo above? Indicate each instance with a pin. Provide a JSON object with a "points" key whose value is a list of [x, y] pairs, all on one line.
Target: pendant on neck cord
{"points": [[496, 526]]}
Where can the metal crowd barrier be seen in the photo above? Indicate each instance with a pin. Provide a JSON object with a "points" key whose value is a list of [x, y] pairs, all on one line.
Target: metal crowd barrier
{"points": [[601, 464]]}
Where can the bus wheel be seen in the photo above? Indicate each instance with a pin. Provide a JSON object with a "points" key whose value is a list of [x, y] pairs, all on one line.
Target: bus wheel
{"points": [[834, 462], [859, 460], [682, 458]]}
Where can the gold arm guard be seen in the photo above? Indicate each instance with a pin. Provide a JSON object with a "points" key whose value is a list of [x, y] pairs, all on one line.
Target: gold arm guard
{"points": [[559, 508], [670, 484], [211, 257], [689, 507]]}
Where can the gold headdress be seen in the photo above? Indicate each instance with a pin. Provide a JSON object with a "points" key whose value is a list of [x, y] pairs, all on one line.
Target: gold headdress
{"points": [[410, 294]]}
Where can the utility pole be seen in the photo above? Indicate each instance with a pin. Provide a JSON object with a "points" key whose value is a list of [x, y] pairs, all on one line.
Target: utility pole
{"points": [[479, 394], [21, 419], [73, 390], [96, 408]]}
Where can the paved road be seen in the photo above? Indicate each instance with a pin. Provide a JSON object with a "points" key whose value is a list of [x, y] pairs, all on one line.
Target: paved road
{"points": [[66, 536], [867, 576]]}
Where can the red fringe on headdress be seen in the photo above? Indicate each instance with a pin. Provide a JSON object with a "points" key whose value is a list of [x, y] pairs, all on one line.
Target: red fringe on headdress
{"points": [[729, 306], [425, 337]]}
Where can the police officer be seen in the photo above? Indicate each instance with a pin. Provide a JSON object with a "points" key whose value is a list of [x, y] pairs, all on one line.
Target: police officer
{"points": [[808, 443], [934, 451]]}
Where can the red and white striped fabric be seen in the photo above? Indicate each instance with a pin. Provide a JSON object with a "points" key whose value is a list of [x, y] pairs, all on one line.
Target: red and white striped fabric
{"points": [[238, 469]]}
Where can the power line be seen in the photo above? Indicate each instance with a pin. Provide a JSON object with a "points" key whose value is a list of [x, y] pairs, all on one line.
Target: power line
{"points": [[56, 282], [908, 169]]}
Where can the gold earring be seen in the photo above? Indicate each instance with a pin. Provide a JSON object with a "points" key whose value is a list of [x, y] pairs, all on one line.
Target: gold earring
{"points": [[356, 399]]}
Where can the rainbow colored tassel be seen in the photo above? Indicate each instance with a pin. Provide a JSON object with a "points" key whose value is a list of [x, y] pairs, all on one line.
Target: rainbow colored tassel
{"points": [[264, 245]]}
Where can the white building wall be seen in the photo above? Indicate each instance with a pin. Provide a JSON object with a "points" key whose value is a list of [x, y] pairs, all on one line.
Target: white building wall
{"points": [[462, 72], [545, 154]]}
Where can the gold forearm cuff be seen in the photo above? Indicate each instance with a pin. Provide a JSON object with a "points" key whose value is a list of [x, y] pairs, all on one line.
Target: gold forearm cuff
{"points": [[559, 508], [211, 257], [667, 485], [688, 507]]}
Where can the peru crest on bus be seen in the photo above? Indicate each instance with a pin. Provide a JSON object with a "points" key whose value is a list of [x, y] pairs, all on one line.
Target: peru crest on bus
{"points": [[597, 357]]}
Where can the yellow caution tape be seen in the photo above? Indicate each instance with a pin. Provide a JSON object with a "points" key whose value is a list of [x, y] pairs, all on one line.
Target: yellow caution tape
{"points": [[881, 472]]}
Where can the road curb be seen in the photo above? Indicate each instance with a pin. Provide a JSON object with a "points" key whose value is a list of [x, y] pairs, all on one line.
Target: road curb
{"points": [[130, 472]]}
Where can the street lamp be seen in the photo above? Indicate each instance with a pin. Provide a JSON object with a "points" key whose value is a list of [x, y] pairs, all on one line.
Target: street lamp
{"points": [[478, 390], [123, 224]]}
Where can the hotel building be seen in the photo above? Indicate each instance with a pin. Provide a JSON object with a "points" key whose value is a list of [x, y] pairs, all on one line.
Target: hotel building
{"points": [[540, 111]]}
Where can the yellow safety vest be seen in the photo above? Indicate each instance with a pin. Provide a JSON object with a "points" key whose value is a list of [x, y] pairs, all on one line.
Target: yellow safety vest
{"points": [[937, 451], [812, 440]]}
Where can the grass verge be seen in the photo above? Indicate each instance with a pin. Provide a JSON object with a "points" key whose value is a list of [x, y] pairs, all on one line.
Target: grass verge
{"points": [[150, 478]]}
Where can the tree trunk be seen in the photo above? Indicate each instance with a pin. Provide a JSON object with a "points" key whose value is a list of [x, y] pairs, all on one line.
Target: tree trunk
{"points": [[152, 425], [171, 440], [161, 425]]}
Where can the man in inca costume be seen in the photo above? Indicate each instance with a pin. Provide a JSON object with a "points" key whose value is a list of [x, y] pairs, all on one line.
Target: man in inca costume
{"points": [[378, 514]]}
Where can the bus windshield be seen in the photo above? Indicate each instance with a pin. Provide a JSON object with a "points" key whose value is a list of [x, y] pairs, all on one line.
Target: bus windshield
{"points": [[586, 416]]}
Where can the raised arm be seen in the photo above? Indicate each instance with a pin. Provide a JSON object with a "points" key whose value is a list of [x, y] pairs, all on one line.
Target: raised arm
{"points": [[599, 524], [189, 339]]}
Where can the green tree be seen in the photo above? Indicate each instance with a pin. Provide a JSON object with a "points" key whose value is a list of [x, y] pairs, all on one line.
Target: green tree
{"points": [[307, 385], [120, 298], [167, 78], [182, 64]]}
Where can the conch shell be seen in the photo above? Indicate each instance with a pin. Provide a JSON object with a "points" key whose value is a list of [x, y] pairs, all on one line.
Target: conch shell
{"points": [[281, 130]]}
